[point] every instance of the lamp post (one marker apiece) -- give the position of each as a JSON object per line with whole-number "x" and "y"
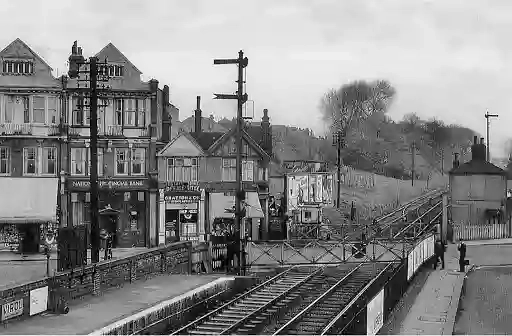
{"x": 92, "y": 77}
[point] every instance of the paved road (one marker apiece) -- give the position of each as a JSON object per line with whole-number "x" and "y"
{"x": 486, "y": 304}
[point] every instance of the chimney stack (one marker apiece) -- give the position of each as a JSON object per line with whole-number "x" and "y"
{"x": 266, "y": 130}
{"x": 197, "y": 116}
{"x": 456, "y": 162}
{"x": 166, "y": 115}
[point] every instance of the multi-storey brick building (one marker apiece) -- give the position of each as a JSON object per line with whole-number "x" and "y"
{"x": 133, "y": 119}
{"x": 197, "y": 175}
{"x": 30, "y": 145}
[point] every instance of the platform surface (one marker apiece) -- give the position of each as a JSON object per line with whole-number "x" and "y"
{"x": 94, "y": 313}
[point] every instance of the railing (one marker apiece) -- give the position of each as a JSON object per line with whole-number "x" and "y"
{"x": 13, "y": 129}
{"x": 54, "y": 130}
{"x": 114, "y": 130}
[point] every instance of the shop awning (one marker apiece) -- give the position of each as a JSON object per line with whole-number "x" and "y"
{"x": 219, "y": 202}
{"x": 28, "y": 200}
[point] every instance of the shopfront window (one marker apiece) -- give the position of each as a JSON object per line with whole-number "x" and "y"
{"x": 122, "y": 161}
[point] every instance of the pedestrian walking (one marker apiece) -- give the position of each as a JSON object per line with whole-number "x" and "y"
{"x": 462, "y": 255}
{"x": 439, "y": 249}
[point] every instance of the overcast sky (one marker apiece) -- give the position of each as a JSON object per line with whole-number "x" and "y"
{"x": 446, "y": 58}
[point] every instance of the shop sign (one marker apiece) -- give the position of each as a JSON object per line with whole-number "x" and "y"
{"x": 109, "y": 184}
{"x": 182, "y": 199}
{"x": 182, "y": 186}
{"x": 12, "y": 309}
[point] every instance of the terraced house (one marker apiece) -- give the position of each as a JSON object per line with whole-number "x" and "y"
{"x": 31, "y": 100}
{"x": 197, "y": 181}
{"x": 133, "y": 119}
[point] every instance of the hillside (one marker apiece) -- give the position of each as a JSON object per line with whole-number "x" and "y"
{"x": 379, "y": 145}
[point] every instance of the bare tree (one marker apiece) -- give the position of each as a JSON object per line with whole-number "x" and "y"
{"x": 354, "y": 102}
{"x": 410, "y": 122}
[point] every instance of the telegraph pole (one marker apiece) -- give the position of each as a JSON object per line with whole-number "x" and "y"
{"x": 413, "y": 150}
{"x": 338, "y": 142}
{"x": 241, "y": 98}
{"x": 487, "y": 117}
{"x": 75, "y": 61}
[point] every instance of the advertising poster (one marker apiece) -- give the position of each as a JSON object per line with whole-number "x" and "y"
{"x": 375, "y": 314}
{"x": 312, "y": 188}
{"x": 293, "y": 193}
{"x": 12, "y": 309}
{"x": 327, "y": 189}
{"x": 319, "y": 189}
{"x": 303, "y": 194}
{"x": 38, "y": 300}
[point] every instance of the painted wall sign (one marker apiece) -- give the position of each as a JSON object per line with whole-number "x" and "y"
{"x": 38, "y": 300}
{"x": 109, "y": 184}
{"x": 181, "y": 186}
{"x": 12, "y": 309}
{"x": 182, "y": 199}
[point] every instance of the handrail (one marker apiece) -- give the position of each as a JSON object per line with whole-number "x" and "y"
{"x": 218, "y": 310}
{"x": 420, "y": 217}
{"x": 354, "y": 300}
{"x": 321, "y": 297}
{"x": 407, "y": 204}
{"x": 272, "y": 301}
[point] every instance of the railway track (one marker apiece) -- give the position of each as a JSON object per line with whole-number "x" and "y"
{"x": 273, "y": 293}
{"x": 268, "y": 303}
{"x": 319, "y": 314}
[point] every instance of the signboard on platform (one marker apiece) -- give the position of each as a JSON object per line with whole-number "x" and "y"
{"x": 375, "y": 314}
{"x": 307, "y": 189}
{"x": 38, "y": 300}
{"x": 12, "y": 309}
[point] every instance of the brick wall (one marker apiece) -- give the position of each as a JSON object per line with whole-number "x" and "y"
{"x": 93, "y": 279}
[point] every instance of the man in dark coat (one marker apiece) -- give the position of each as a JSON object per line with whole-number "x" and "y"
{"x": 462, "y": 255}
{"x": 439, "y": 250}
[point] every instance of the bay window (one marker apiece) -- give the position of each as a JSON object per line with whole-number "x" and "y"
{"x": 183, "y": 169}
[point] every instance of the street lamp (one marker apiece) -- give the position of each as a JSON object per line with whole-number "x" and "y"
{"x": 92, "y": 77}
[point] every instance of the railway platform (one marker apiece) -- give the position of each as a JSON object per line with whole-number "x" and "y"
{"x": 95, "y": 313}
{"x": 434, "y": 309}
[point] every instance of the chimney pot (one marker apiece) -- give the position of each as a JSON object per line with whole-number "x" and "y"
{"x": 482, "y": 141}
{"x": 475, "y": 140}
{"x": 197, "y": 116}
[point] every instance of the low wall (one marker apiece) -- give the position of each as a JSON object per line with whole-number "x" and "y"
{"x": 23, "y": 301}
{"x": 174, "y": 313}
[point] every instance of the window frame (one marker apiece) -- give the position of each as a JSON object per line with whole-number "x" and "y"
{"x": 140, "y": 110}
{"x": 118, "y": 111}
{"x": 130, "y": 109}
{"x": 73, "y": 161}
{"x": 193, "y": 167}
{"x": 17, "y": 67}
{"x": 230, "y": 168}
{"x": 25, "y": 162}
{"x": 44, "y": 158}
{"x": 56, "y": 110}
{"x": 33, "y": 110}
{"x": 8, "y": 160}
{"x": 126, "y": 161}
{"x": 142, "y": 161}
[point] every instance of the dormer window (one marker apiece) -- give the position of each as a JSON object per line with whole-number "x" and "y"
{"x": 112, "y": 70}
{"x": 18, "y": 67}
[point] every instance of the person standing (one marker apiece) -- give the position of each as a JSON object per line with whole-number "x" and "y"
{"x": 439, "y": 250}
{"x": 462, "y": 255}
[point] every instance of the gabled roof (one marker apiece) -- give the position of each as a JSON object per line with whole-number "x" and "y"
{"x": 206, "y": 139}
{"x": 245, "y": 136}
{"x": 112, "y": 46}
{"x": 18, "y": 40}
{"x": 477, "y": 167}
{"x": 185, "y": 134}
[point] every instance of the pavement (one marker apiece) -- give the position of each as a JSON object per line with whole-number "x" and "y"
{"x": 16, "y": 269}
{"x": 434, "y": 309}
{"x": 94, "y": 313}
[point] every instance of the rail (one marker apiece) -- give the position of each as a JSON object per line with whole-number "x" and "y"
{"x": 331, "y": 324}
{"x": 417, "y": 219}
{"x": 204, "y": 318}
{"x": 297, "y": 317}
{"x": 271, "y": 302}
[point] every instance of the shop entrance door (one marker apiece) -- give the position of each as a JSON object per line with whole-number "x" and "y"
{"x": 108, "y": 220}
{"x": 171, "y": 225}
